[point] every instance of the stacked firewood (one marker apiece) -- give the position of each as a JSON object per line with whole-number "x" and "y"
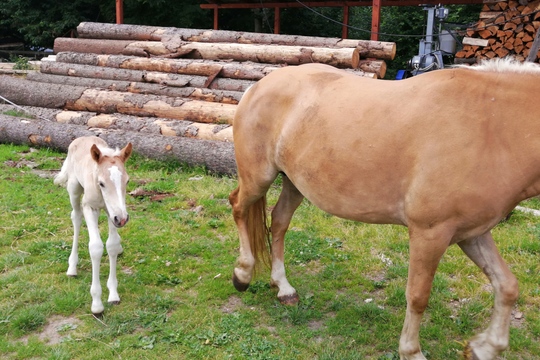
{"x": 505, "y": 28}
{"x": 170, "y": 82}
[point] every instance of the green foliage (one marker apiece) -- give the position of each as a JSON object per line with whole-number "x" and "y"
{"x": 21, "y": 63}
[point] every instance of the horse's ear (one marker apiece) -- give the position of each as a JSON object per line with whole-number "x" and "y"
{"x": 126, "y": 152}
{"x": 96, "y": 153}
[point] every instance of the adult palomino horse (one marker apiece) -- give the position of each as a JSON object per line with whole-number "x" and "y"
{"x": 97, "y": 171}
{"x": 448, "y": 154}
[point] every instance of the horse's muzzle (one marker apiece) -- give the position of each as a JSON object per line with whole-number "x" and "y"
{"x": 120, "y": 222}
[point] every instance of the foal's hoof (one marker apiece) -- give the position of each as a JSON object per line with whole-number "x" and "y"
{"x": 468, "y": 353}
{"x": 115, "y": 302}
{"x": 289, "y": 300}
{"x": 240, "y": 286}
{"x": 98, "y": 315}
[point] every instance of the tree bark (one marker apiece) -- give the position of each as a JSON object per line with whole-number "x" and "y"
{"x": 233, "y": 70}
{"x": 223, "y": 96}
{"x": 368, "y": 49}
{"x": 104, "y": 101}
{"x": 116, "y": 121}
{"x": 160, "y": 126}
{"x": 271, "y": 54}
{"x": 161, "y": 78}
{"x": 216, "y": 156}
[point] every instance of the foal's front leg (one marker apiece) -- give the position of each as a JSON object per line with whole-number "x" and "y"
{"x": 75, "y": 192}
{"x": 95, "y": 248}
{"x": 114, "y": 248}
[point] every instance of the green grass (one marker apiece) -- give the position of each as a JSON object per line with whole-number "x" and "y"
{"x": 175, "y": 278}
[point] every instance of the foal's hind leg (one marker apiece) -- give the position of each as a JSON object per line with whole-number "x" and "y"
{"x": 494, "y": 339}
{"x": 114, "y": 248}
{"x": 289, "y": 200}
{"x": 75, "y": 192}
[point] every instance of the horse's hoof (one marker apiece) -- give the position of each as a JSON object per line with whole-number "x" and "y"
{"x": 98, "y": 315}
{"x": 240, "y": 286}
{"x": 289, "y": 300}
{"x": 72, "y": 275}
{"x": 115, "y": 302}
{"x": 468, "y": 353}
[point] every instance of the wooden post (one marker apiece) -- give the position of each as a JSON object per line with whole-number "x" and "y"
{"x": 375, "y": 19}
{"x": 345, "y": 28}
{"x": 277, "y": 20}
{"x": 216, "y": 27}
{"x": 119, "y": 11}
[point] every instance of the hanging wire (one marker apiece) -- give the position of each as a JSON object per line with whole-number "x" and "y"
{"x": 22, "y": 109}
{"x": 461, "y": 32}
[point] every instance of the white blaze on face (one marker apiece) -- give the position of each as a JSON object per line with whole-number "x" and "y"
{"x": 116, "y": 178}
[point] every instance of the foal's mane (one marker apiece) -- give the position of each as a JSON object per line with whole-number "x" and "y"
{"x": 508, "y": 64}
{"x": 106, "y": 151}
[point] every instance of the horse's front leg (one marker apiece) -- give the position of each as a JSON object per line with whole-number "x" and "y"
{"x": 426, "y": 250}
{"x": 289, "y": 200}
{"x": 95, "y": 248}
{"x": 114, "y": 248}
{"x": 494, "y": 339}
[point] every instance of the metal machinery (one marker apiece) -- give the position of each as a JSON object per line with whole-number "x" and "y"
{"x": 433, "y": 47}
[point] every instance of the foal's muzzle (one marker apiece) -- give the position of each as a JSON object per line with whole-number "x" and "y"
{"x": 119, "y": 221}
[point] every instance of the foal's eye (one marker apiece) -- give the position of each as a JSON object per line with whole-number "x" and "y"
{"x": 101, "y": 184}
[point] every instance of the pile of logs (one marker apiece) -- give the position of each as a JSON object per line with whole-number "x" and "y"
{"x": 505, "y": 28}
{"x": 178, "y": 86}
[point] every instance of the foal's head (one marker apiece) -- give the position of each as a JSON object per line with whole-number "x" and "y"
{"x": 112, "y": 179}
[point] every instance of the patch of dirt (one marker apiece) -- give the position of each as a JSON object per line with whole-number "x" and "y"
{"x": 56, "y": 329}
{"x": 232, "y": 305}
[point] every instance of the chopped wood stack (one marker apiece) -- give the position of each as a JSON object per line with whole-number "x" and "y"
{"x": 182, "y": 83}
{"x": 505, "y": 28}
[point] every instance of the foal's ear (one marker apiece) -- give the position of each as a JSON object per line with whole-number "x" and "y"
{"x": 96, "y": 153}
{"x": 126, "y": 152}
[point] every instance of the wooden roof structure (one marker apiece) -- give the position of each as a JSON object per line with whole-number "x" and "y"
{"x": 345, "y": 4}
{"x": 376, "y": 5}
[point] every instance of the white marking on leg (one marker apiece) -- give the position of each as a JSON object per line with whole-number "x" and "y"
{"x": 279, "y": 279}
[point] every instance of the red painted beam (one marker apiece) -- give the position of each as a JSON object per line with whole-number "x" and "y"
{"x": 119, "y": 11}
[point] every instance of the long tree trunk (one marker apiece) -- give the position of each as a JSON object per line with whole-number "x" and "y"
{"x": 368, "y": 49}
{"x": 168, "y": 79}
{"x": 271, "y": 54}
{"x": 216, "y": 156}
{"x": 116, "y": 121}
{"x": 223, "y": 96}
{"x": 233, "y": 70}
{"x": 104, "y": 101}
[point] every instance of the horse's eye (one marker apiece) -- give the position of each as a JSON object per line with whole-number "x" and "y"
{"x": 101, "y": 184}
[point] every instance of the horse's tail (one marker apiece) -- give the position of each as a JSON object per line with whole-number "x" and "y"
{"x": 62, "y": 177}
{"x": 259, "y": 233}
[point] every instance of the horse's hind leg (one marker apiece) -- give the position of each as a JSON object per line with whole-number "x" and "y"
{"x": 494, "y": 339}
{"x": 289, "y": 200}
{"x": 248, "y": 207}
{"x": 114, "y": 248}
{"x": 75, "y": 192}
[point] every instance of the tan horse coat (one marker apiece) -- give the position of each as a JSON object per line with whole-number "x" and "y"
{"x": 448, "y": 153}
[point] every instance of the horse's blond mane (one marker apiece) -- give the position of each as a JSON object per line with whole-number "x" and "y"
{"x": 508, "y": 64}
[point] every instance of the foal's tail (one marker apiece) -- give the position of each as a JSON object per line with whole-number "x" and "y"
{"x": 259, "y": 233}
{"x": 62, "y": 177}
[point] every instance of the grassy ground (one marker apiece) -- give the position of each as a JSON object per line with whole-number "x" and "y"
{"x": 174, "y": 278}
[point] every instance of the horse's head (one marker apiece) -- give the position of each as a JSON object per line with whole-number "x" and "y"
{"x": 112, "y": 179}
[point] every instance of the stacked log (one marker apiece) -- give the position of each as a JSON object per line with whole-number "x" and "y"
{"x": 505, "y": 28}
{"x": 168, "y": 82}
